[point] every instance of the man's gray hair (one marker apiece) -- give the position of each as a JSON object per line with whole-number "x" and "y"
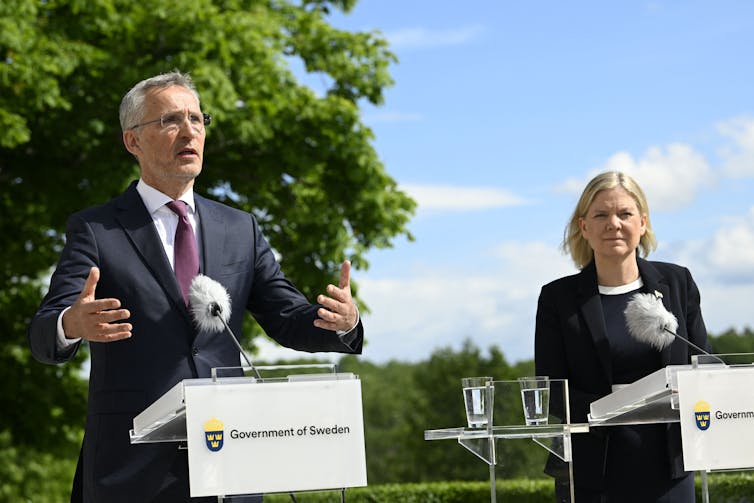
{"x": 132, "y": 106}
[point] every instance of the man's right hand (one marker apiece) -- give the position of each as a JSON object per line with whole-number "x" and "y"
{"x": 91, "y": 319}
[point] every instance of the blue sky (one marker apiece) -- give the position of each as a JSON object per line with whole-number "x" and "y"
{"x": 500, "y": 113}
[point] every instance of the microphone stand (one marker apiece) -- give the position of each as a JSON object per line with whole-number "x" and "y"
{"x": 700, "y": 350}
{"x": 216, "y": 311}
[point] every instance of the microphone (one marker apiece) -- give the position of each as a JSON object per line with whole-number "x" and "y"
{"x": 210, "y": 308}
{"x": 649, "y": 322}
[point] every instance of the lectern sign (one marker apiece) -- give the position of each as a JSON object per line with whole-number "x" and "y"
{"x": 275, "y": 436}
{"x": 717, "y": 418}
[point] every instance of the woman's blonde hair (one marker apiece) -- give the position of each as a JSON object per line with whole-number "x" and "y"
{"x": 576, "y": 245}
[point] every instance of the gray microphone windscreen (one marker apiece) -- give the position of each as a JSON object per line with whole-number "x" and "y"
{"x": 648, "y": 321}
{"x": 204, "y": 294}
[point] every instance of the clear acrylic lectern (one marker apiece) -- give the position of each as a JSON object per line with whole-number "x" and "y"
{"x": 505, "y": 423}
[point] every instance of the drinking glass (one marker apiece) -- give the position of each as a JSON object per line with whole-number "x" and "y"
{"x": 535, "y": 397}
{"x": 475, "y": 399}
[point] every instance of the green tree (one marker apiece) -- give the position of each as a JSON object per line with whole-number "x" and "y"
{"x": 732, "y": 341}
{"x": 301, "y": 161}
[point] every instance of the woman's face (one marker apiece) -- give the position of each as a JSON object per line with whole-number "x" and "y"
{"x": 613, "y": 225}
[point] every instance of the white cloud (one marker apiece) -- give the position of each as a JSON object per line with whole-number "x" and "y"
{"x": 529, "y": 265}
{"x": 434, "y": 308}
{"x": 732, "y": 248}
{"x": 726, "y": 290}
{"x": 424, "y": 38}
{"x": 670, "y": 177}
{"x": 722, "y": 265}
{"x": 453, "y": 198}
{"x": 727, "y": 256}
{"x": 573, "y": 185}
{"x": 726, "y": 306}
{"x": 738, "y": 158}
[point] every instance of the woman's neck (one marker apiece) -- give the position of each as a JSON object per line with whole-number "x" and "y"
{"x": 616, "y": 273}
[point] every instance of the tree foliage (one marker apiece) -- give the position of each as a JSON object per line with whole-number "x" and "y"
{"x": 301, "y": 161}
{"x": 731, "y": 341}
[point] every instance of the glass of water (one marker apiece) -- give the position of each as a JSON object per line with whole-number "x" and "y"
{"x": 535, "y": 397}
{"x": 476, "y": 400}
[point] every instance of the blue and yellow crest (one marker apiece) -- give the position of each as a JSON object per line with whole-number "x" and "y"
{"x": 702, "y": 415}
{"x": 213, "y": 434}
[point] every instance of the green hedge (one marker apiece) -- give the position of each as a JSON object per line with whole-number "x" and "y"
{"x": 41, "y": 478}
{"x": 733, "y": 487}
{"x": 724, "y": 488}
{"x": 520, "y": 491}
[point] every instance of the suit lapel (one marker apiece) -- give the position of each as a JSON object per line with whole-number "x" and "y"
{"x": 138, "y": 225}
{"x": 590, "y": 305}
{"x": 213, "y": 233}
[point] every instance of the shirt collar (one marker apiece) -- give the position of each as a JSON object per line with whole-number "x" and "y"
{"x": 619, "y": 290}
{"x": 154, "y": 199}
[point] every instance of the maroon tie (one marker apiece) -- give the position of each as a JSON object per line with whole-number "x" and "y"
{"x": 185, "y": 256}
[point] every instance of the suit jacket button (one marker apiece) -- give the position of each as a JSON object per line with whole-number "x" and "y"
{"x": 195, "y": 351}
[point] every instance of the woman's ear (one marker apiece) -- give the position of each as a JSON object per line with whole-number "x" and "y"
{"x": 582, "y": 226}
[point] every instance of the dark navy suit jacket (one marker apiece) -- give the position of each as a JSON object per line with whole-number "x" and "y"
{"x": 126, "y": 376}
{"x": 571, "y": 343}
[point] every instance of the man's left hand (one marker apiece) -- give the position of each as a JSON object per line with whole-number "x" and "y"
{"x": 338, "y": 311}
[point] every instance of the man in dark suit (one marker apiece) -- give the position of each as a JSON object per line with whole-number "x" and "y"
{"x": 115, "y": 287}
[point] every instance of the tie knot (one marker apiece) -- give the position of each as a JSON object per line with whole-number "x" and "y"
{"x": 178, "y": 207}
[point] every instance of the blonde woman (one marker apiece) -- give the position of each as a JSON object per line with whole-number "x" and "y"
{"x": 581, "y": 336}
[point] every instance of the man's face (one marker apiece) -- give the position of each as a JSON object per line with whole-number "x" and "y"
{"x": 170, "y": 151}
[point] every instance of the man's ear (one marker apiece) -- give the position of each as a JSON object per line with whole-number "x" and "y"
{"x": 131, "y": 141}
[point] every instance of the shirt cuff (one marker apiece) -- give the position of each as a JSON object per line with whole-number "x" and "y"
{"x": 348, "y": 336}
{"x": 63, "y": 342}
